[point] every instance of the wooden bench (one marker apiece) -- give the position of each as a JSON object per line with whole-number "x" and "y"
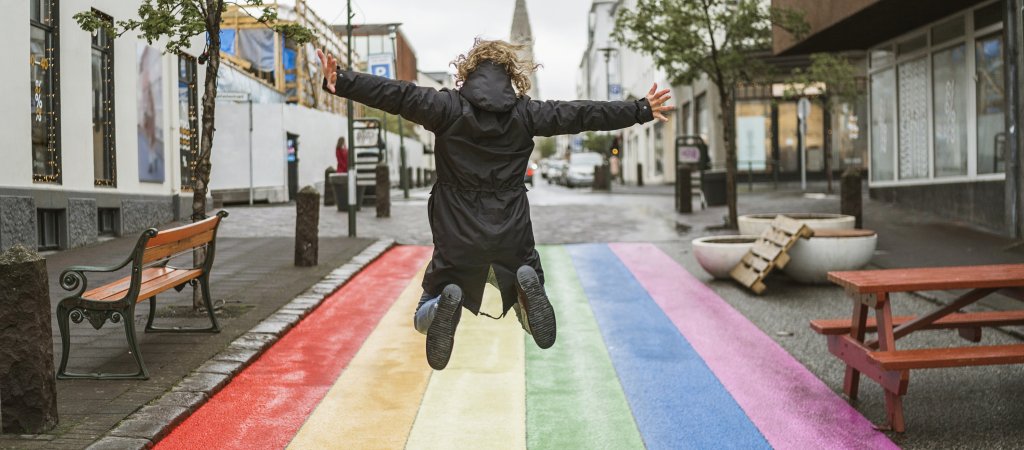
{"x": 150, "y": 275}
{"x": 880, "y": 360}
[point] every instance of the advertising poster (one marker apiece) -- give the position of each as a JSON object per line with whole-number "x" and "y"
{"x": 149, "y": 103}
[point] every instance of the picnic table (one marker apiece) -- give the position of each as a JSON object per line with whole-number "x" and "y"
{"x": 881, "y": 361}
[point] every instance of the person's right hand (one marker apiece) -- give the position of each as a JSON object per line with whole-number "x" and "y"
{"x": 330, "y": 66}
{"x": 657, "y": 99}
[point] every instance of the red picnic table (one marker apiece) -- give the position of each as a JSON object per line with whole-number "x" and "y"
{"x": 881, "y": 361}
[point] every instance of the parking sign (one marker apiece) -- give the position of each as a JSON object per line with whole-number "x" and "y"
{"x": 380, "y": 64}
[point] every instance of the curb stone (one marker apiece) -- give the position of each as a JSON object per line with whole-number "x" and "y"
{"x": 151, "y": 422}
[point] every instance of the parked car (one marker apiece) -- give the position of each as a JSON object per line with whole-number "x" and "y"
{"x": 530, "y": 170}
{"x": 554, "y": 172}
{"x": 580, "y": 170}
{"x": 542, "y": 168}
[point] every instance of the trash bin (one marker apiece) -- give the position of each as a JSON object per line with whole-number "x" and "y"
{"x": 339, "y": 181}
{"x": 713, "y": 184}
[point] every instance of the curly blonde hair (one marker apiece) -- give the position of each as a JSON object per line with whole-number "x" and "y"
{"x": 502, "y": 53}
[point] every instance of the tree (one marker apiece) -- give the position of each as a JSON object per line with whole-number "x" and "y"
{"x": 546, "y": 147}
{"x": 177, "y": 22}
{"x": 598, "y": 143}
{"x": 840, "y": 79}
{"x": 689, "y": 39}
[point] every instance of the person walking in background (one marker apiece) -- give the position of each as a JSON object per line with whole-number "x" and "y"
{"x": 341, "y": 152}
{"x": 478, "y": 209}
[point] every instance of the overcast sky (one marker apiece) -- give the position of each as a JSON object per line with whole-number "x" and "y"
{"x": 439, "y": 30}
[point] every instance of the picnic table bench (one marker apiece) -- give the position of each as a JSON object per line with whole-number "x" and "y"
{"x": 150, "y": 275}
{"x": 881, "y": 361}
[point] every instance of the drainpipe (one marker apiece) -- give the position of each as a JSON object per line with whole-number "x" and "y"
{"x": 1012, "y": 35}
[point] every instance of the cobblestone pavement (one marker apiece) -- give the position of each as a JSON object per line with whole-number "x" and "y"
{"x": 252, "y": 277}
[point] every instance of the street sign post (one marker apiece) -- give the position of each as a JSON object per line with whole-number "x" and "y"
{"x": 803, "y": 111}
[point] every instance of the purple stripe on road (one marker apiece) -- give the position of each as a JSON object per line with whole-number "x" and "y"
{"x": 788, "y": 404}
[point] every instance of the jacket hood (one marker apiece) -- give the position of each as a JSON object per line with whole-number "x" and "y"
{"x": 489, "y": 88}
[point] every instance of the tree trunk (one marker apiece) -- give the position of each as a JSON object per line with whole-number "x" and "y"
{"x": 725, "y": 95}
{"x": 203, "y": 165}
{"x": 209, "y": 109}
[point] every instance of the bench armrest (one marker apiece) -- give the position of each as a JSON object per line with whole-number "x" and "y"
{"x": 73, "y": 278}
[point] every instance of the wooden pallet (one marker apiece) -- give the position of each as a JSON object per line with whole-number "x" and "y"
{"x": 769, "y": 252}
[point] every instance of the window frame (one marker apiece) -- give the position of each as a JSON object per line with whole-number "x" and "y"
{"x": 50, "y": 95}
{"x": 968, "y": 40}
{"x": 106, "y": 49}
{"x": 188, "y": 145}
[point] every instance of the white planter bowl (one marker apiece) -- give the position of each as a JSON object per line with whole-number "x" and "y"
{"x": 812, "y": 259}
{"x": 755, "y": 224}
{"x": 719, "y": 254}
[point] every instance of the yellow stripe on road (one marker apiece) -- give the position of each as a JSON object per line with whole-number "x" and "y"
{"x": 374, "y": 401}
{"x": 477, "y": 402}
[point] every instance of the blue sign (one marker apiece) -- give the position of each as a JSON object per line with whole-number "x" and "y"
{"x": 381, "y": 70}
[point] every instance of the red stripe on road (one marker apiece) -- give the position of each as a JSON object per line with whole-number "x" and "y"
{"x": 266, "y": 404}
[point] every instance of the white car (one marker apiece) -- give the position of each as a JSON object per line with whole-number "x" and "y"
{"x": 580, "y": 171}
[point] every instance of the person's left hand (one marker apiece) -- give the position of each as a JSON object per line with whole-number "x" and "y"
{"x": 657, "y": 101}
{"x": 330, "y": 66}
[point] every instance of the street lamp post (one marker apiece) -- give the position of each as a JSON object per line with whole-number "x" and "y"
{"x": 351, "y": 139}
{"x": 403, "y": 178}
{"x": 607, "y": 71}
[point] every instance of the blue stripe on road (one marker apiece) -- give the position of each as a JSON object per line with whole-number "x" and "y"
{"x": 676, "y": 400}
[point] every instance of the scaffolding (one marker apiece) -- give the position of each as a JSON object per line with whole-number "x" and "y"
{"x": 298, "y": 81}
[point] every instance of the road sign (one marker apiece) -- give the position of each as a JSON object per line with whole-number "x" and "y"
{"x": 381, "y": 65}
{"x": 688, "y": 154}
{"x": 803, "y": 108}
{"x": 614, "y": 91}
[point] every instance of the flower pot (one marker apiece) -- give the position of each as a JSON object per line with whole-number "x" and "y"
{"x": 812, "y": 259}
{"x": 755, "y": 224}
{"x": 719, "y": 254}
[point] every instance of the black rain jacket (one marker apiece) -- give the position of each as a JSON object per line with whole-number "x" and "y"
{"x": 478, "y": 209}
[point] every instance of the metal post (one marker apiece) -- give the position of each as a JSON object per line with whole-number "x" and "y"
{"x": 403, "y": 180}
{"x": 1012, "y": 30}
{"x": 251, "y": 195}
{"x": 351, "y": 140}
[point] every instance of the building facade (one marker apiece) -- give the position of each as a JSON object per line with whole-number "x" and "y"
{"x": 110, "y": 134}
{"x": 942, "y": 138}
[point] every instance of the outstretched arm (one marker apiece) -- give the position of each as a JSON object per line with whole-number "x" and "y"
{"x": 554, "y": 117}
{"x": 423, "y": 105}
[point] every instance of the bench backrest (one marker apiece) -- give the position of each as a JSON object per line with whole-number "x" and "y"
{"x": 155, "y": 246}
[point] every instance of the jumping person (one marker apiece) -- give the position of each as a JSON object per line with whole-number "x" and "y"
{"x": 478, "y": 210}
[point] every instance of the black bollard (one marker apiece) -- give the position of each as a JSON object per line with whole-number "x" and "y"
{"x": 684, "y": 190}
{"x": 307, "y": 226}
{"x": 419, "y": 177}
{"x": 328, "y": 189}
{"x": 383, "y": 191}
{"x": 639, "y": 174}
{"x": 851, "y": 202}
{"x": 28, "y": 389}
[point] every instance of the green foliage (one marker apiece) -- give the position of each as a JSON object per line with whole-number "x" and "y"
{"x": 547, "y": 147}
{"x": 178, "y": 21}
{"x": 839, "y": 76}
{"x": 599, "y": 143}
{"x": 691, "y": 38}
{"x": 391, "y": 122}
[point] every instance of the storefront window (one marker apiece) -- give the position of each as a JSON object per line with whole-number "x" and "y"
{"x": 949, "y": 111}
{"x": 659, "y": 149}
{"x": 104, "y": 162}
{"x": 684, "y": 120}
{"x": 45, "y": 91}
{"x": 702, "y": 118}
{"x": 753, "y": 134}
{"x": 188, "y": 119}
{"x": 991, "y": 103}
{"x": 883, "y": 120}
{"x": 913, "y": 119}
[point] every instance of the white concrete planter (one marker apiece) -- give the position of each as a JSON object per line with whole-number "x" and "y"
{"x": 719, "y": 254}
{"x": 812, "y": 259}
{"x": 755, "y": 224}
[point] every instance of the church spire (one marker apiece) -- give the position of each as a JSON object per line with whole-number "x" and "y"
{"x": 522, "y": 34}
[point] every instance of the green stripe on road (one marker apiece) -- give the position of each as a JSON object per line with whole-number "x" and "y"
{"x": 573, "y": 396}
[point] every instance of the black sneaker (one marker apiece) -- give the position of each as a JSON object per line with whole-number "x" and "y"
{"x": 441, "y": 334}
{"x": 540, "y": 316}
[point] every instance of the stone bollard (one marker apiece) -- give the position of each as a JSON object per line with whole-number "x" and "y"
{"x": 684, "y": 190}
{"x": 307, "y": 226}
{"x": 851, "y": 201}
{"x": 328, "y": 190}
{"x": 28, "y": 389}
{"x": 383, "y": 191}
